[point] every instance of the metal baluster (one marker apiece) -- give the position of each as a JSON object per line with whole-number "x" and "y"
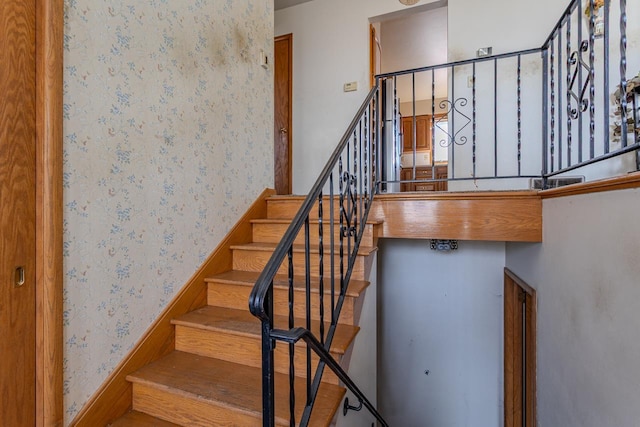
{"x": 453, "y": 123}
{"x": 519, "y": 115}
{"x": 553, "y": 107}
{"x": 569, "y": 124}
{"x": 292, "y": 370}
{"x": 592, "y": 80}
{"x": 307, "y": 277}
{"x": 332, "y": 251}
{"x": 433, "y": 123}
{"x": 474, "y": 124}
{"x": 605, "y": 71}
{"x": 321, "y": 267}
{"x": 354, "y": 186}
{"x": 375, "y": 158}
{"x": 413, "y": 125}
{"x": 623, "y": 72}
{"x": 342, "y": 229}
{"x": 546, "y": 169}
{"x": 580, "y": 83}
{"x": 365, "y": 175}
{"x": 268, "y": 366}
{"x": 560, "y": 95}
{"x": 495, "y": 117}
{"x": 360, "y": 199}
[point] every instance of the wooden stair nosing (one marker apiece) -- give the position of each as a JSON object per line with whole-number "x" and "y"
{"x": 369, "y": 221}
{"x": 260, "y": 246}
{"x": 230, "y": 386}
{"x": 249, "y": 278}
{"x": 243, "y": 323}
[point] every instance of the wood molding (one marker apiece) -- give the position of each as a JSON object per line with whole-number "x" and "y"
{"x": 113, "y": 399}
{"x": 631, "y": 180}
{"x": 49, "y": 232}
{"x": 492, "y": 216}
{"x": 519, "y": 352}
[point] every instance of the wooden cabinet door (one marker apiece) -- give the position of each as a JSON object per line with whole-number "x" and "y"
{"x": 407, "y": 133}
{"x": 17, "y": 216}
{"x": 423, "y": 133}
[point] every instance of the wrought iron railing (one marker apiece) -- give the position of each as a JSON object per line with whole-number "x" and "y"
{"x": 496, "y": 122}
{"x": 345, "y": 188}
{"x": 509, "y": 118}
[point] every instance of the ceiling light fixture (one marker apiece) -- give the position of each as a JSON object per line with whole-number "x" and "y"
{"x": 408, "y": 2}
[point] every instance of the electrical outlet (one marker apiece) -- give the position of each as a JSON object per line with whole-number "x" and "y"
{"x": 469, "y": 81}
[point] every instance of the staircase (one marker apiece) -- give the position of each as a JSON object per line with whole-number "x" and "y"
{"x": 213, "y": 376}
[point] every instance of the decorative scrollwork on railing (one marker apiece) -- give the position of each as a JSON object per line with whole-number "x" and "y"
{"x": 580, "y": 98}
{"x": 349, "y": 205}
{"x": 453, "y": 108}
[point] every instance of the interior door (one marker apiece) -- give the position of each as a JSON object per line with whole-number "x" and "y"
{"x": 282, "y": 113}
{"x": 17, "y": 213}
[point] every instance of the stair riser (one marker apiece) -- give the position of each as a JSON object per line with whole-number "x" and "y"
{"x": 186, "y": 411}
{"x": 272, "y": 233}
{"x": 255, "y": 260}
{"x": 237, "y": 297}
{"x": 287, "y": 209}
{"x": 245, "y": 350}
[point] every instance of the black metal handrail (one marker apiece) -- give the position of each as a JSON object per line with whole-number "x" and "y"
{"x": 353, "y": 168}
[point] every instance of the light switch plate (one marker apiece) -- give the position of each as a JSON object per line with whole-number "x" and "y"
{"x": 351, "y": 86}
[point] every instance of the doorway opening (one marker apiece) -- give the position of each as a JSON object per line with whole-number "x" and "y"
{"x": 415, "y": 117}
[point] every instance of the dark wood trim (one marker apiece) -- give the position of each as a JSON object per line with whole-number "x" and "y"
{"x": 372, "y": 55}
{"x": 631, "y": 180}
{"x": 519, "y": 395}
{"x": 113, "y": 398}
{"x": 289, "y": 38}
{"x": 49, "y": 233}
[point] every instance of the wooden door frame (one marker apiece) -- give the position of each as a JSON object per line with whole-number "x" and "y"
{"x": 516, "y": 394}
{"x": 49, "y": 233}
{"x": 289, "y": 38}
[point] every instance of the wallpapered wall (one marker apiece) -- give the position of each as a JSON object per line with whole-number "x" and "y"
{"x": 168, "y": 122}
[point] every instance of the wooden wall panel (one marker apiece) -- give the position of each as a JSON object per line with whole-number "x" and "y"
{"x": 490, "y": 216}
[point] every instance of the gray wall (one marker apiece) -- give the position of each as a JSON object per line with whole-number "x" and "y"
{"x": 587, "y": 277}
{"x": 440, "y": 312}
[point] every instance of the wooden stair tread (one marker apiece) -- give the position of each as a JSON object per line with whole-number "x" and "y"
{"x": 233, "y": 386}
{"x": 260, "y": 246}
{"x": 249, "y": 278}
{"x": 241, "y": 322}
{"x": 139, "y": 419}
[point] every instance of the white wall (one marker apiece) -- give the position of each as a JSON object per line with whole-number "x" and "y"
{"x": 586, "y": 273}
{"x": 330, "y": 48}
{"x": 507, "y": 25}
{"x": 440, "y": 312}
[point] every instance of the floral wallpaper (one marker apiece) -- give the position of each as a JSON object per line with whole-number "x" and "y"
{"x": 168, "y": 123}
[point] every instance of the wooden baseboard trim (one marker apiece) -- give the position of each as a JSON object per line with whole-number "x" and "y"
{"x": 624, "y": 182}
{"x": 113, "y": 399}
